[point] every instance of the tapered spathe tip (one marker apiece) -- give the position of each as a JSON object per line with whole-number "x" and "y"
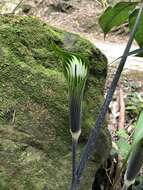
{"x": 75, "y": 71}
{"x": 76, "y": 74}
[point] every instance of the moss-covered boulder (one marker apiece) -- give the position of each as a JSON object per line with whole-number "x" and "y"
{"x": 34, "y": 134}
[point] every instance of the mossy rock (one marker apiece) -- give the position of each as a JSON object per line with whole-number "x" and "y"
{"x": 34, "y": 134}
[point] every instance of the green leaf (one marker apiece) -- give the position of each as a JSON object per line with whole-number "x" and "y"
{"x": 115, "y": 16}
{"x": 122, "y": 133}
{"x": 138, "y": 134}
{"x": 124, "y": 147}
{"x": 122, "y": 143}
{"x": 139, "y": 33}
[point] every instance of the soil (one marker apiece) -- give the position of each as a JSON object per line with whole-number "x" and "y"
{"x": 77, "y": 16}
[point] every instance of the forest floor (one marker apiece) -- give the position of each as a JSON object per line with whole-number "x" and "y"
{"x": 81, "y": 16}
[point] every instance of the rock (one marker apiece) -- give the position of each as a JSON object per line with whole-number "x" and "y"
{"x": 61, "y": 7}
{"x": 7, "y": 6}
{"x": 26, "y": 8}
{"x": 35, "y": 142}
{"x": 90, "y": 24}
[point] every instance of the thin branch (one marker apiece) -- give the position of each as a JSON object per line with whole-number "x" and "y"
{"x": 17, "y": 6}
{"x": 122, "y": 109}
{"x": 134, "y": 52}
{"x": 90, "y": 146}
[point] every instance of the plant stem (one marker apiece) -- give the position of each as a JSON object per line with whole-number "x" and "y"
{"x": 134, "y": 52}
{"x": 74, "y": 150}
{"x": 125, "y": 187}
{"x": 90, "y": 146}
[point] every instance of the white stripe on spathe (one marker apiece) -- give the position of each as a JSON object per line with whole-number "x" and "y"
{"x": 77, "y": 68}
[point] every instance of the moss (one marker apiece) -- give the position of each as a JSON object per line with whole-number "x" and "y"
{"x": 34, "y": 133}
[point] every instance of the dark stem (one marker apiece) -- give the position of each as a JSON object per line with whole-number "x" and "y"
{"x": 74, "y": 151}
{"x": 90, "y": 146}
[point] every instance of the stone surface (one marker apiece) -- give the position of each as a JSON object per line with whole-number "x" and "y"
{"x": 34, "y": 134}
{"x": 7, "y": 6}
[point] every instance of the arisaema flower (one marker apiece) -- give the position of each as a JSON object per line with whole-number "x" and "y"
{"x": 76, "y": 74}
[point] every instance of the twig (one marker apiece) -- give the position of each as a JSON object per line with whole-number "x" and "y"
{"x": 14, "y": 10}
{"x": 117, "y": 179}
{"x": 121, "y": 109}
{"x": 131, "y": 53}
{"x": 108, "y": 176}
{"x": 13, "y": 118}
{"x": 90, "y": 146}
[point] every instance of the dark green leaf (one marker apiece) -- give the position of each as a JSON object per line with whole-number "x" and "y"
{"x": 139, "y": 33}
{"x": 115, "y": 16}
{"x": 138, "y": 135}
